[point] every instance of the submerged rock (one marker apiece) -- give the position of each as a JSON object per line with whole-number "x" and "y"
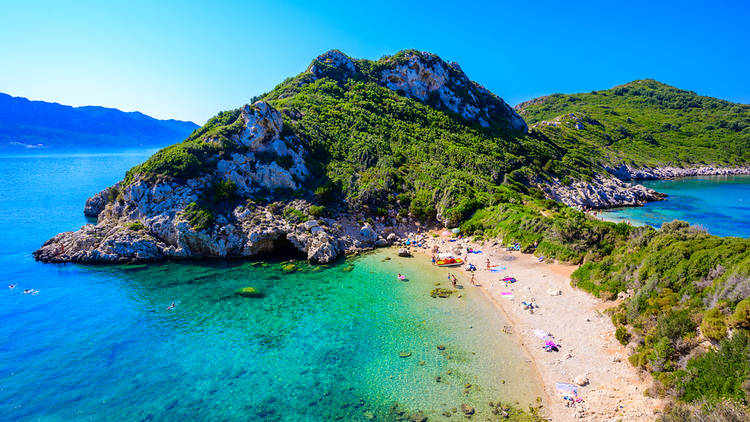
{"x": 249, "y": 292}
{"x": 441, "y": 292}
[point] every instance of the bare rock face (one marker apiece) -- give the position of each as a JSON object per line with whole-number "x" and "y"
{"x": 262, "y": 135}
{"x": 96, "y": 203}
{"x": 426, "y": 77}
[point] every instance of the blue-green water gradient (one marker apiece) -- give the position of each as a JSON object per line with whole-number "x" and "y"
{"x": 97, "y": 342}
{"x": 720, "y": 204}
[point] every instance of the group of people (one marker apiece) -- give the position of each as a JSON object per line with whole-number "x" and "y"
{"x": 26, "y": 292}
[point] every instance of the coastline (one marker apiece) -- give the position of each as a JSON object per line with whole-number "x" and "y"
{"x": 615, "y": 189}
{"x": 615, "y": 389}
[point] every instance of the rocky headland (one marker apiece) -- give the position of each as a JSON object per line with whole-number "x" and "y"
{"x": 149, "y": 220}
{"x": 615, "y": 188}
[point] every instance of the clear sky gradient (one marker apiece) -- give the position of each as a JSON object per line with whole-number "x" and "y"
{"x": 188, "y": 60}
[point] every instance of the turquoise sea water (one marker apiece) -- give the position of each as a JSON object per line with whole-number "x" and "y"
{"x": 97, "y": 343}
{"x": 721, "y": 204}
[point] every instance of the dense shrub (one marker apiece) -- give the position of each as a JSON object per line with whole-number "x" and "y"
{"x": 714, "y": 325}
{"x": 622, "y": 335}
{"x": 718, "y": 373}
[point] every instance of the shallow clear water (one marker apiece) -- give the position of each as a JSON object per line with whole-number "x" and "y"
{"x": 98, "y": 343}
{"x": 721, "y": 204}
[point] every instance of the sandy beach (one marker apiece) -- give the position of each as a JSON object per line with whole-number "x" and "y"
{"x": 614, "y": 390}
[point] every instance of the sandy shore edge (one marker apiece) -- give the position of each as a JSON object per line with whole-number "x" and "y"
{"x": 615, "y": 390}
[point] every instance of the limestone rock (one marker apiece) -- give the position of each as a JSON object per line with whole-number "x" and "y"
{"x": 95, "y": 205}
{"x": 581, "y": 380}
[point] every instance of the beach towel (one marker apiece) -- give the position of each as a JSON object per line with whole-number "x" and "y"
{"x": 542, "y": 334}
{"x": 506, "y": 293}
{"x": 565, "y": 387}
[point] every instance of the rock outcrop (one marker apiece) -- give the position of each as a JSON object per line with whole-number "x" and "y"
{"x": 601, "y": 192}
{"x": 614, "y": 189}
{"x": 426, "y": 77}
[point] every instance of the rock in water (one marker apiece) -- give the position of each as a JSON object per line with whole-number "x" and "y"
{"x": 468, "y": 410}
{"x": 404, "y": 252}
{"x": 249, "y": 292}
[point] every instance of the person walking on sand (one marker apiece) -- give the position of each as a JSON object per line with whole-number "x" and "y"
{"x": 488, "y": 264}
{"x": 454, "y": 281}
{"x": 473, "y": 279}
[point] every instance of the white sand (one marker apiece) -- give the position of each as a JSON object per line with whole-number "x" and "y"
{"x": 574, "y": 318}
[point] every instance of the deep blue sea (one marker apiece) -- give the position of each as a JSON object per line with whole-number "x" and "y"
{"x": 720, "y": 204}
{"x": 97, "y": 342}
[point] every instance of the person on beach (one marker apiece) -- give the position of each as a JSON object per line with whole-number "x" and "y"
{"x": 488, "y": 264}
{"x": 473, "y": 279}
{"x": 171, "y": 306}
{"x": 433, "y": 260}
{"x": 454, "y": 281}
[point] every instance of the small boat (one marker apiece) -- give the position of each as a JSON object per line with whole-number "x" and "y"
{"x": 449, "y": 262}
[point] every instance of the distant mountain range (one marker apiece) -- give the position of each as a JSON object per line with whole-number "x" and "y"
{"x": 38, "y": 125}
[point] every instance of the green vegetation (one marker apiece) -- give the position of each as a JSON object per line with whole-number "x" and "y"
{"x": 645, "y": 123}
{"x": 317, "y": 210}
{"x": 200, "y": 218}
{"x": 136, "y": 226}
{"x": 719, "y": 373}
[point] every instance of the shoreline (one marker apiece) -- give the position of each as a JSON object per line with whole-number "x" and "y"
{"x": 615, "y": 389}
{"x": 615, "y": 188}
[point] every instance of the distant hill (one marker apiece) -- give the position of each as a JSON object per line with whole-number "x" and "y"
{"x": 644, "y": 123}
{"x": 38, "y": 125}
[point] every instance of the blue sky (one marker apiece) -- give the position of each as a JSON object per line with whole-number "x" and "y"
{"x": 188, "y": 60}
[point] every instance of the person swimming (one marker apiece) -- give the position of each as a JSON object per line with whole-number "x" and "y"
{"x": 12, "y": 286}
{"x": 27, "y": 291}
{"x": 170, "y": 306}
